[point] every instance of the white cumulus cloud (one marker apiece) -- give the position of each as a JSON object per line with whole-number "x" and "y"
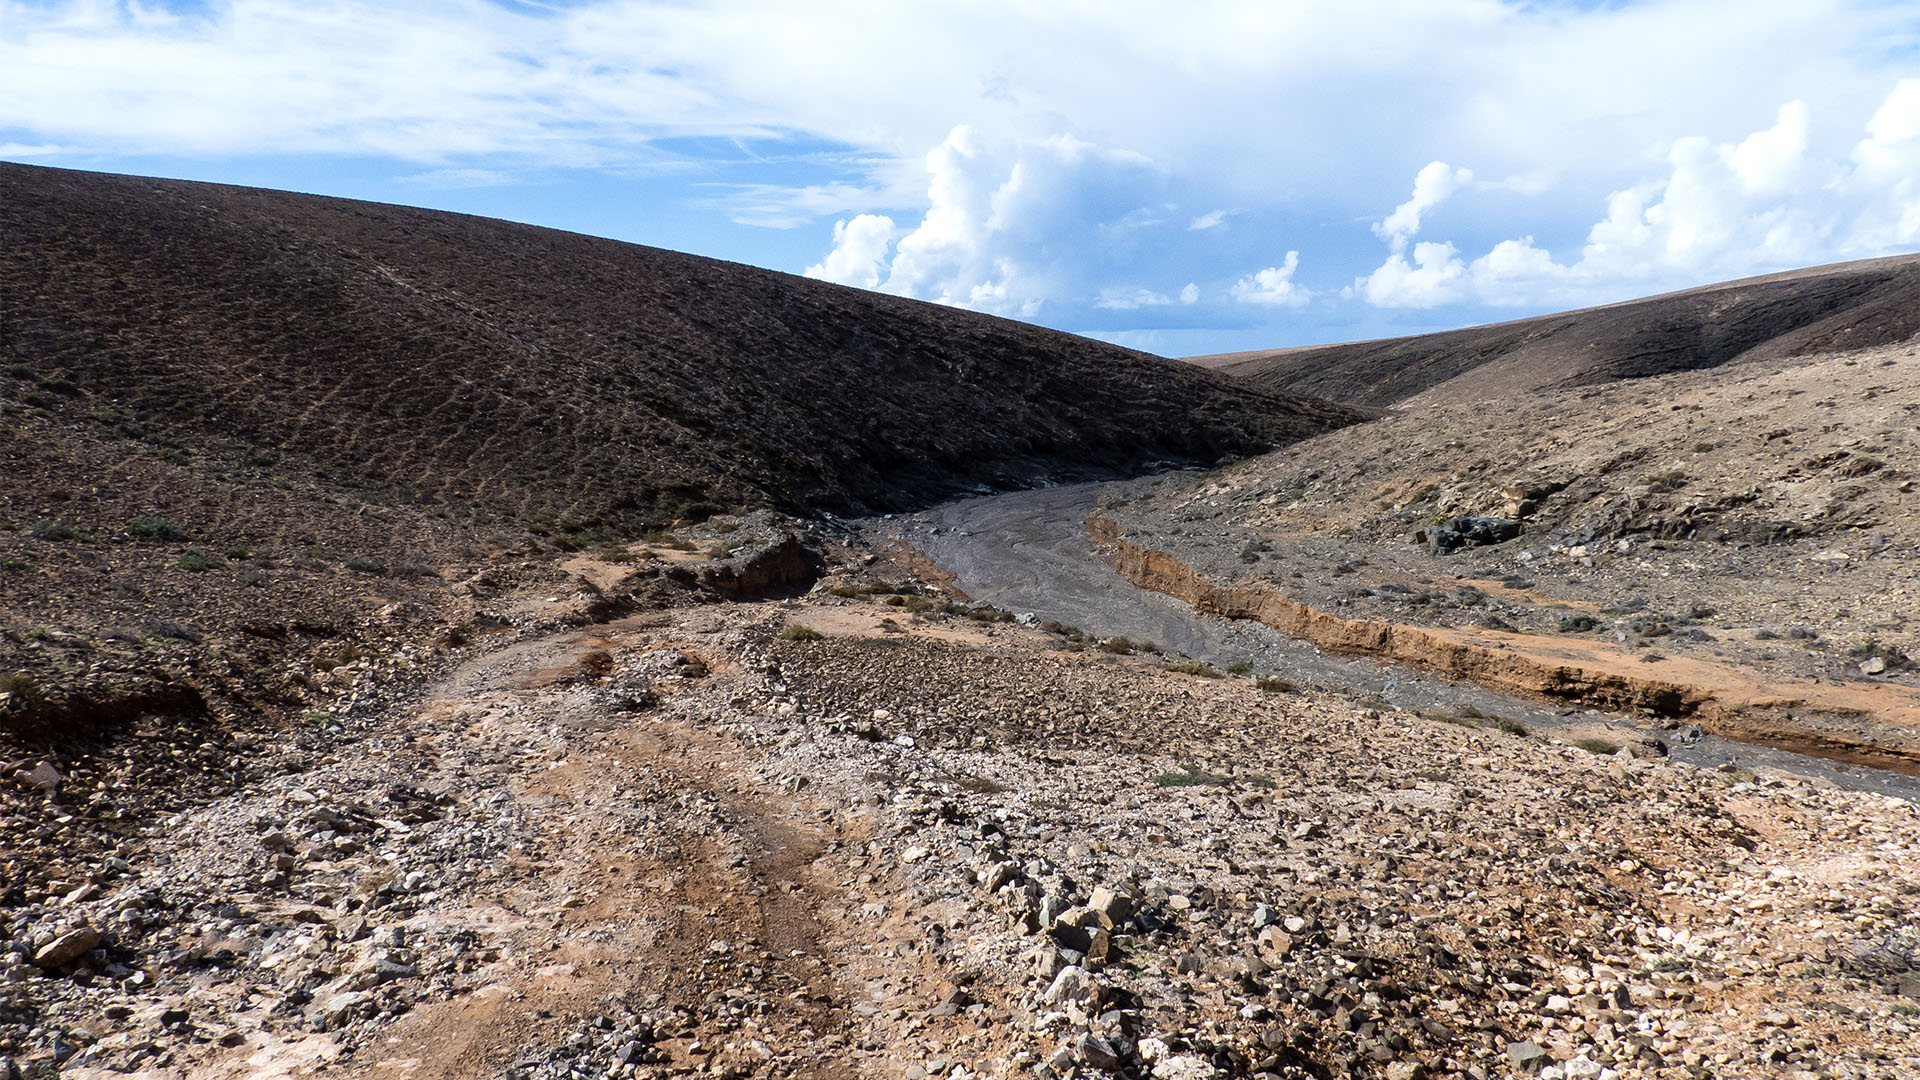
{"x": 1272, "y": 287}
{"x": 1717, "y": 211}
{"x": 1431, "y": 187}
{"x": 859, "y": 251}
{"x": 1432, "y": 278}
{"x": 1769, "y": 162}
{"x": 1886, "y": 171}
{"x": 1007, "y": 226}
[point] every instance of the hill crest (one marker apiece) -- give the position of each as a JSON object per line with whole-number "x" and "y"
{"x": 1796, "y": 313}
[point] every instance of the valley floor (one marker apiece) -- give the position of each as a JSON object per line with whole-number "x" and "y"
{"x": 1731, "y": 548}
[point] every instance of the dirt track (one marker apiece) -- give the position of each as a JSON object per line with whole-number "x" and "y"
{"x": 689, "y": 843}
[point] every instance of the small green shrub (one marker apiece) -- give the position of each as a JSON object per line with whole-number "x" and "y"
{"x": 1275, "y": 685}
{"x": 1118, "y": 646}
{"x": 1192, "y": 776}
{"x": 799, "y": 632}
{"x": 1894, "y": 658}
{"x": 1578, "y": 624}
{"x": 1194, "y": 667}
{"x": 196, "y": 561}
{"x": 154, "y": 527}
{"x": 55, "y": 531}
{"x": 1511, "y": 727}
{"x": 1240, "y": 667}
{"x": 237, "y": 553}
{"x": 1703, "y": 447}
{"x": 360, "y": 565}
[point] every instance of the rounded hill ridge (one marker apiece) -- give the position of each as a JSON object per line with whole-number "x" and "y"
{"x": 444, "y": 358}
{"x": 1853, "y": 305}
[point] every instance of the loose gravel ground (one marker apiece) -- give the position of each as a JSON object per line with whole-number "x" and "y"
{"x": 933, "y": 843}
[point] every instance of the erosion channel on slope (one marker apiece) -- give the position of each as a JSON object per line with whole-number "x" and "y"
{"x": 1029, "y": 552}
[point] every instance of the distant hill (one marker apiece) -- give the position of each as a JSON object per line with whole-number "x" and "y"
{"x": 1847, "y": 305}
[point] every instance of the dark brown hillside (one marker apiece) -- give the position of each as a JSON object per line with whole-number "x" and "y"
{"x": 1845, "y": 306}
{"x": 250, "y": 440}
{"x": 551, "y": 376}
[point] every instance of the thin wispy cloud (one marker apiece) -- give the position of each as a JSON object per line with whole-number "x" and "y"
{"x": 457, "y": 178}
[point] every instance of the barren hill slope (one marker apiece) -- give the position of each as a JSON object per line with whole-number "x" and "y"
{"x": 452, "y": 359}
{"x": 240, "y": 427}
{"x": 1845, "y": 306}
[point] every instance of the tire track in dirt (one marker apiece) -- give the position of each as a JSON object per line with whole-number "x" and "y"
{"x": 660, "y": 866}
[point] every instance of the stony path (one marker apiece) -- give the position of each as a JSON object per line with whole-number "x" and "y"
{"x": 924, "y": 844}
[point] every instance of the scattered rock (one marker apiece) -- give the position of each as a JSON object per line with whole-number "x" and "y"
{"x": 67, "y": 948}
{"x": 1527, "y": 1057}
{"x": 1463, "y": 532}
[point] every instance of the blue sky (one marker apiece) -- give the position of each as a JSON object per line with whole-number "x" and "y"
{"x": 1208, "y": 176}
